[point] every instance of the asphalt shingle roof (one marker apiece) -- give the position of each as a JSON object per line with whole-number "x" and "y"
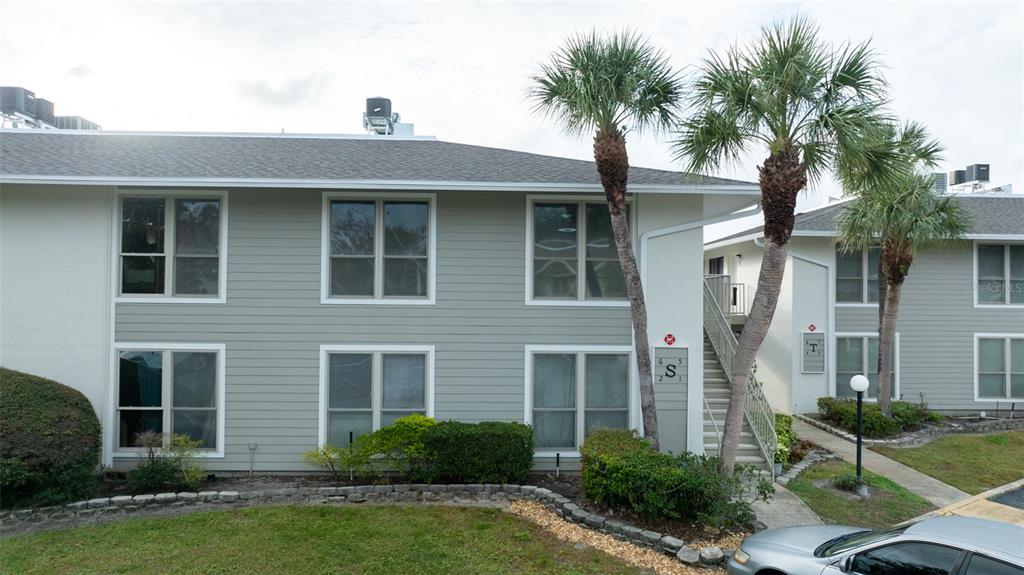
{"x": 126, "y": 155}
{"x": 992, "y": 214}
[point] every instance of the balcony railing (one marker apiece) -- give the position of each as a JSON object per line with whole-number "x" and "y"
{"x": 730, "y": 295}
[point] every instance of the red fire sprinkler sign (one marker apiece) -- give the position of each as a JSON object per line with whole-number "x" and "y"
{"x": 670, "y": 339}
{"x": 812, "y": 327}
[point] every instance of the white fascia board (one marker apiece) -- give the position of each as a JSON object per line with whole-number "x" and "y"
{"x": 411, "y": 185}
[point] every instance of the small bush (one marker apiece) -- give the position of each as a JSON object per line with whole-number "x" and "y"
{"x": 622, "y": 470}
{"x": 786, "y": 437}
{"x": 905, "y": 416}
{"x": 847, "y": 482}
{"x": 398, "y": 447}
{"x": 168, "y": 464}
{"x": 488, "y": 452}
{"x": 49, "y": 441}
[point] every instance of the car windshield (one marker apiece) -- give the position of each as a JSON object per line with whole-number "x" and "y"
{"x": 856, "y": 539}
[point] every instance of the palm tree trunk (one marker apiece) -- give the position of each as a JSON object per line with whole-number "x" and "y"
{"x": 612, "y": 163}
{"x": 782, "y": 176}
{"x": 886, "y": 337}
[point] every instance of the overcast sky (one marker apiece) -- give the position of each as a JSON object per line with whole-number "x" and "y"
{"x": 459, "y": 71}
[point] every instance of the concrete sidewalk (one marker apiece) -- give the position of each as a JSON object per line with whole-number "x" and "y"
{"x": 982, "y": 506}
{"x": 785, "y": 510}
{"x": 935, "y": 491}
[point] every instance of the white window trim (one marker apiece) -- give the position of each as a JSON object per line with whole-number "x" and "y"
{"x": 632, "y": 393}
{"x": 581, "y": 297}
{"x": 326, "y": 350}
{"x": 325, "y": 249}
{"x": 1006, "y": 265}
{"x": 170, "y": 197}
{"x": 897, "y": 392}
{"x": 863, "y": 279}
{"x": 111, "y": 428}
{"x": 1006, "y": 351}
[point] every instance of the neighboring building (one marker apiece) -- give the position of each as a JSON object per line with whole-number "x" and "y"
{"x": 20, "y": 108}
{"x": 276, "y": 292}
{"x": 960, "y": 331}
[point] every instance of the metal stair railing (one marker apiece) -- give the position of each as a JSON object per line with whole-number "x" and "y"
{"x": 758, "y": 413}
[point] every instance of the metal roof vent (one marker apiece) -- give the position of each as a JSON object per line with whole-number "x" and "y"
{"x": 380, "y": 120}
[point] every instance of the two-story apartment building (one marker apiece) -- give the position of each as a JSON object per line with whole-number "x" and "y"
{"x": 960, "y": 331}
{"x": 269, "y": 293}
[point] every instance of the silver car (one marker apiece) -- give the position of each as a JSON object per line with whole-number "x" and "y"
{"x": 939, "y": 546}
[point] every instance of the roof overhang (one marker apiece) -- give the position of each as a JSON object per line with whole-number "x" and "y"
{"x": 828, "y": 234}
{"x": 406, "y": 185}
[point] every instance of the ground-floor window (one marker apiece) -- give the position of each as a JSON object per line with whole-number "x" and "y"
{"x": 858, "y": 355}
{"x": 171, "y": 390}
{"x": 999, "y": 367}
{"x": 572, "y": 392}
{"x": 366, "y": 388}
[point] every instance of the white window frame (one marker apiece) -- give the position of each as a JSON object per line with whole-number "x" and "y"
{"x": 170, "y": 199}
{"x": 377, "y": 351}
{"x": 1006, "y": 337}
{"x": 632, "y": 393}
{"x": 166, "y": 389}
{"x": 1006, "y": 271}
{"x": 581, "y": 249}
{"x": 834, "y": 356}
{"x": 378, "y": 268}
{"x": 863, "y": 280}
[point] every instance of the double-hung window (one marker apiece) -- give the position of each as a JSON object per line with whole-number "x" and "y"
{"x": 573, "y": 393}
{"x": 378, "y": 249}
{"x": 364, "y": 388}
{"x": 858, "y": 355}
{"x": 1000, "y": 274}
{"x": 170, "y": 390}
{"x": 857, "y": 276}
{"x": 172, "y": 246}
{"x": 573, "y": 254}
{"x": 1000, "y": 367}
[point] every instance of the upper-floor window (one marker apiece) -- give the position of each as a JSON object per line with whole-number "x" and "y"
{"x": 1000, "y": 274}
{"x": 858, "y": 355}
{"x": 1000, "y": 367}
{"x": 716, "y": 266}
{"x": 857, "y": 276}
{"x": 573, "y": 393}
{"x": 170, "y": 390}
{"x": 366, "y": 388}
{"x": 171, "y": 247}
{"x": 572, "y": 254}
{"x": 379, "y": 249}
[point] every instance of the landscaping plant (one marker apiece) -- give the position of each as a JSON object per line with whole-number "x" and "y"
{"x": 610, "y": 86}
{"x": 49, "y": 441}
{"x": 786, "y": 437}
{"x": 813, "y": 108}
{"x": 168, "y": 464}
{"x": 906, "y": 416}
{"x": 487, "y": 452}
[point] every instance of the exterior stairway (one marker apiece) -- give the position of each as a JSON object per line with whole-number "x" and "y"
{"x": 716, "y": 393}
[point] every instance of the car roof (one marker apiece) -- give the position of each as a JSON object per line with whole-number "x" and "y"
{"x": 980, "y": 534}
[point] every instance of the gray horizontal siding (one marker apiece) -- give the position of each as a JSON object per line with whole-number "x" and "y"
{"x": 937, "y": 322}
{"x": 273, "y": 322}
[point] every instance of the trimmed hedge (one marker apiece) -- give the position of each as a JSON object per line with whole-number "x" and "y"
{"x": 905, "y": 416}
{"x": 49, "y": 441}
{"x": 621, "y": 470}
{"x": 487, "y": 452}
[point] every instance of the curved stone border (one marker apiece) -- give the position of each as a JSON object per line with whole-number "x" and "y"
{"x": 105, "y": 509}
{"x": 812, "y": 457}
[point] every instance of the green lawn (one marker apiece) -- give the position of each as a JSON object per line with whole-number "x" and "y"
{"x": 888, "y": 504}
{"x": 297, "y": 540}
{"x": 973, "y": 463}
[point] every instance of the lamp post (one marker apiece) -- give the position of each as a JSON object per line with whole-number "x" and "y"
{"x": 859, "y": 384}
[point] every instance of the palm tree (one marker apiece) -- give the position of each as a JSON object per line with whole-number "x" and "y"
{"x": 610, "y": 86}
{"x": 814, "y": 108}
{"x": 902, "y": 216}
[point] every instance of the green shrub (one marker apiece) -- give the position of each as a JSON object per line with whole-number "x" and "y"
{"x": 168, "y": 464}
{"x": 906, "y": 416}
{"x": 488, "y": 452}
{"x": 786, "y": 437}
{"x": 338, "y": 461}
{"x": 398, "y": 447}
{"x": 49, "y": 441}
{"x": 622, "y": 470}
{"x": 847, "y": 482}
